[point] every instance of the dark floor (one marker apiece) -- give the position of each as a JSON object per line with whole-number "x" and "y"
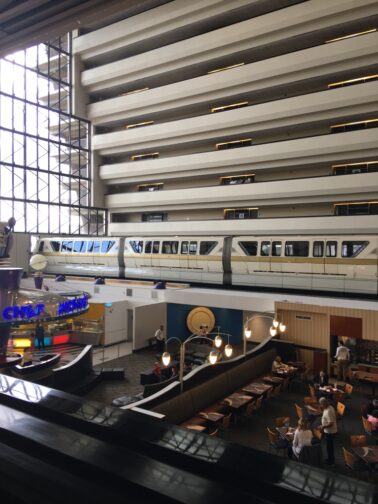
{"x": 252, "y": 432}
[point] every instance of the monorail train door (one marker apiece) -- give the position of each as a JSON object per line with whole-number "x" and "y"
{"x": 226, "y": 260}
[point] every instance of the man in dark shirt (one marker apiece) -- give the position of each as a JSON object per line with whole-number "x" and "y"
{"x": 40, "y": 336}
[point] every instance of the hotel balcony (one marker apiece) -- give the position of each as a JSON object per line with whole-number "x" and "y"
{"x": 281, "y": 31}
{"x": 274, "y": 193}
{"x": 310, "y": 69}
{"x": 327, "y": 225}
{"x": 293, "y": 154}
{"x": 263, "y": 122}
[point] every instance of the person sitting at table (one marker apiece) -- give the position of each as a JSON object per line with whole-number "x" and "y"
{"x": 320, "y": 380}
{"x": 279, "y": 366}
{"x": 302, "y": 436}
{"x": 373, "y": 419}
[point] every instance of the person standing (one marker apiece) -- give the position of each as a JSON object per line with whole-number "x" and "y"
{"x": 342, "y": 358}
{"x": 40, "y": 336}
{"x": 329, "y": 428}
{"x": 159, "y": 336}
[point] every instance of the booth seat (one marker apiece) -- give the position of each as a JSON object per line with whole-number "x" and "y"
{"x": 186, "y": 405}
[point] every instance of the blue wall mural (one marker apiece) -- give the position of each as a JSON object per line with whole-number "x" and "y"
{"x": 230, "y": 321}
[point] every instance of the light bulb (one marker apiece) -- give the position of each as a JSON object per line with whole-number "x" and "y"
{"x": 248, "y": 332}
{"x": 282, "y": 327}
{"x": 166, "y": 358}
{"x": 213, "y": 357}
{"x": 273, "y": 331}
{"x": 218, "y": 341}
{"x": 275, "y": 323}
{"x": 228, "y": 350}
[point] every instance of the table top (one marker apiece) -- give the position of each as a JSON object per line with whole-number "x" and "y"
{"x": 328, "y": 389}
{"x": 199, "y": 428}
{"x": 272, "y": 379}
{"x": 368, "y": 454}
{"x": 236, "y": 400}
{"x": 256, "y": 388}
{"x": 212, "y": 416}
{"x": 286, "y": 433}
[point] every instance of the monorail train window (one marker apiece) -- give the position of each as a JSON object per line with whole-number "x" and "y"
{"x": 67, "y": 246}
{"x": 137, "y": 246}
{"x": 297, "y": 248}
{"x": 169, "y": 247}
{"x": 193, "y": 248}
{"x": 265, "y": 248}
{"x": 331, "y": 249}
{"x": 318, "y": 249}
{"x": 206, "y": 247}
{"x": 41, "y": 245}
{"x": 152, "y": 247}
{"x": 106, "y": 246}
{"x": 189, "y": 247}
{"x": 249, "y": 247}
{"x": 94, "y": 246}
{"x": 241, "y": 213}
{"x": 79, "y": 246}
{"x": 352, "y": 248}
{"x": 238, "y": 179}
{"x": 55, "y": 245}
{"x": 276, "y": 248}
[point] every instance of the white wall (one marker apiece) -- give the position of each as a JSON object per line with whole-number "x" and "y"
{"x": 116, "y": 323}
{"x": 147, "y": 320}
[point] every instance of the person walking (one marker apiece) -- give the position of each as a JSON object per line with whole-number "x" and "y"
{"x": 40, "y": 336}
{"x": 159, "y": 337}
{"x": 342, "y": 358}
{"x": 329, "y": 428}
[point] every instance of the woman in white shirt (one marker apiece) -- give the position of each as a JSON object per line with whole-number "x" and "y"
{"x": 302, "y": 436}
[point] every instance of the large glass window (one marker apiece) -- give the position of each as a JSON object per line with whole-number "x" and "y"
{"x": 296, "y": 248}
{"x": 44, "y": 148}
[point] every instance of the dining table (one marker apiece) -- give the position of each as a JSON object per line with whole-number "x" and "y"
{"x": 211, "y": 416}
{"x": 274, "y": 380}
{"x": 256, "y": 388}
{"x": 236, "y": 401}
{"x": 286, "y": 433}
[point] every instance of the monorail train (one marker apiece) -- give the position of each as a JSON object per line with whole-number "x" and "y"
{"x": 347, "y": 264}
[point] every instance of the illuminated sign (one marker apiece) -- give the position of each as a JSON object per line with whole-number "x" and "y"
{"x": 72, "y": 305}
{"x": 22, "y": 312}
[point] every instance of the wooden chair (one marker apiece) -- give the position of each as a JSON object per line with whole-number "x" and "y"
{"x": 368, "y": 428}
{"x": 276, "y": 391}
{"x": 353, "y": 463}
{"x": 257, "y": 404}
{"x": 300, "y": 411}
{"x": 275, "y": 441}
{"x": 280, "y": 421}
{"x": 340, "y": 410}
{"x": 312, "y": 391}
{"x": 359, "y": 440}
{"x": 226, "y": 421}
{"x": 310, "y": 400}
{"x": 214, "y": 432}
{"x": 348, "y": 389}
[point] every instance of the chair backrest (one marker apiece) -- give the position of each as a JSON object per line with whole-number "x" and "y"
{"x": 359, "y": 440}
{"x": 226, "y": 421}
{"x": 277, "y": 390}
{"x": 349, "y": 458}
{"x": 273, "y": 436}
{"x": 348, "y": 388}
{"x": 258, "y": 402}
{"x": 367, "y": 425}
{"x": 340, "y": 407}
{"x": 280, "y": 421}
{"x": 312, "y": 390}
{"x": 299, "y": 410}
{"x": 317, "y": 433}
{"x": 309, "y": 400}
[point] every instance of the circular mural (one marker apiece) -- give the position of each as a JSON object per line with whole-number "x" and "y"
{"x": 200, "y": 316}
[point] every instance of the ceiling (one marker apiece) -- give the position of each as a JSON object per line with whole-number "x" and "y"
{"x": 24, "y": 23}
